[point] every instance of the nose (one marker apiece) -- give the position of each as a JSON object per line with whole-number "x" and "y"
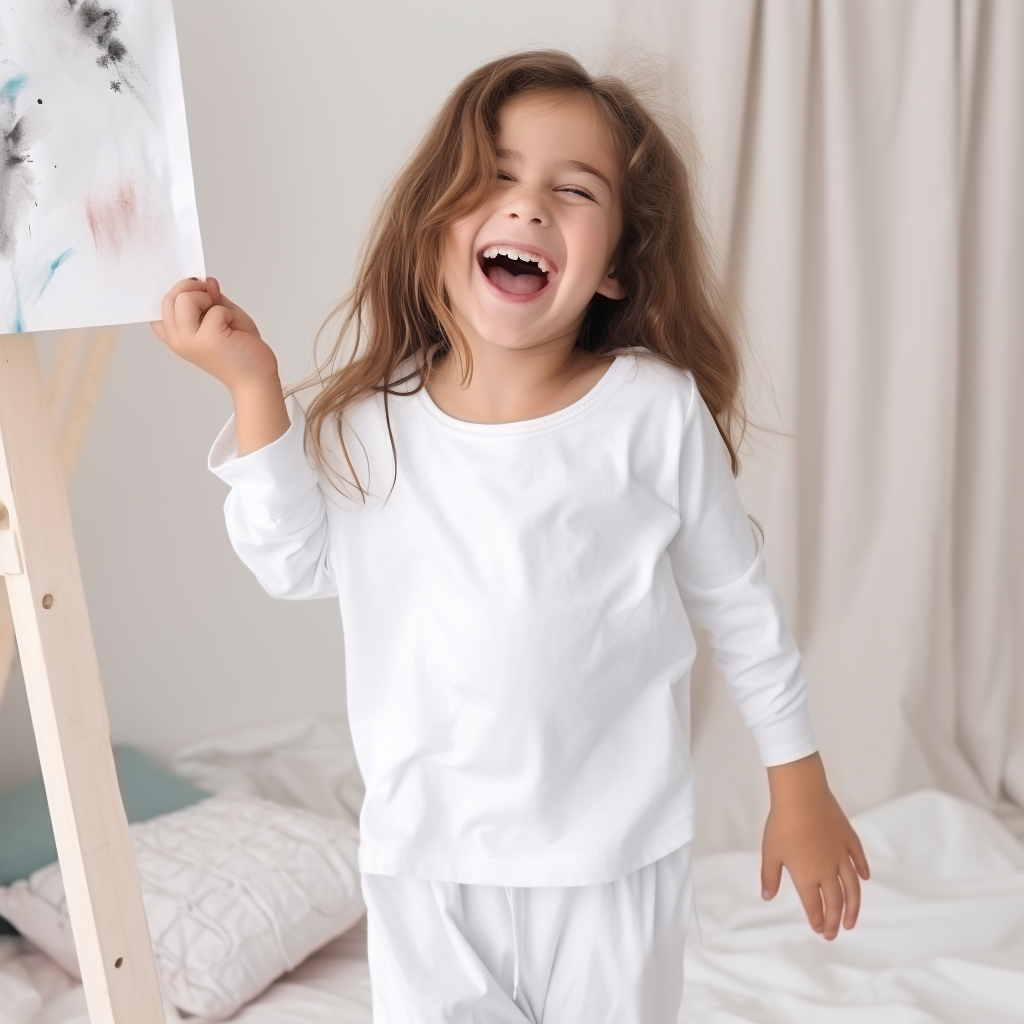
{"x": 526, "y": 206}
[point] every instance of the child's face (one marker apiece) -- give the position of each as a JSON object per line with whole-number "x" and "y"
{"x": 555, "y": 205}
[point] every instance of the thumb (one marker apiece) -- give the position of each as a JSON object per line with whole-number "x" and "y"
{"x": 771, "y": 874}
{"x": 216, "y": 321}
{"x": 234, "y": 318}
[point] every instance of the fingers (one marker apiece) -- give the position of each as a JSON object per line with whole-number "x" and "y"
{"x": 851, "y": 892}
{"x": 835, "y": 902}
{"x": 213, "y": 290}
{"x": 220, "y": 298}
{"x": 832, "y": 893}
{"x": 158, "y": 330}
{"x": 771, "y": 875}
{"x": 189, "y": 309}
{"x": 167, "y": 307}
{"x": 860, "y": 861}
{"x": 234, "y": 315}
{"x": 810, "y": 897}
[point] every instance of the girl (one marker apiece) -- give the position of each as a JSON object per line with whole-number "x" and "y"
{"x": 521, "y": 491}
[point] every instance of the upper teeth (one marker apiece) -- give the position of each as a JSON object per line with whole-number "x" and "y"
{"x": 517, "y": 254}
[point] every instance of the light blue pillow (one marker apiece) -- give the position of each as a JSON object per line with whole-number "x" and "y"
{"x": 148, "y": 789}
{"x": 26, "y": 836}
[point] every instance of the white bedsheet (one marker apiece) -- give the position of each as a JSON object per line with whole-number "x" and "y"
{"x": 331, "y": 987}
{"x": 941, "y": 936}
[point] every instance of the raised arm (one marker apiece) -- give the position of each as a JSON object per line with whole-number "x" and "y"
{"x": 208, "y": 329}
{"x": 276, "y": 513}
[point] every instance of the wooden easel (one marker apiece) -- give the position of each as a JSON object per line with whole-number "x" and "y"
{"x": 65, "y": 696}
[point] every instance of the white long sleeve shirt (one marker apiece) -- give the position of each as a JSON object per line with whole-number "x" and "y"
{"x": 517, "y": 621}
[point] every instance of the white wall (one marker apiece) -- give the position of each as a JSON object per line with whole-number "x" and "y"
{"x": 298, "y": 114}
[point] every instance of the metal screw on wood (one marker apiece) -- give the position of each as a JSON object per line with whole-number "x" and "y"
{"x": 47, "y": 600}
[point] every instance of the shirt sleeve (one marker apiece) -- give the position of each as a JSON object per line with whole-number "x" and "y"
{"x": 276, "y": 512}
{"x": 720, "y": 571}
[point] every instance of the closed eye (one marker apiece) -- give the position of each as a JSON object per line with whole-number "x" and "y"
{"x": 575, "y": 189}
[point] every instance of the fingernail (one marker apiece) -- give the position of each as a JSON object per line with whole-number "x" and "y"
{"x": 193, "y": 278}
{"x": 765, "y": 894}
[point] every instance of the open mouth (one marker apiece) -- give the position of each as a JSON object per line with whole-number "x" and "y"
{"x": 516, "y": 271}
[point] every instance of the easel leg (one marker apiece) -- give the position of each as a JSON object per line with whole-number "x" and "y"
{"x": 77, "y": 401}
{"x": 7, "y": 645}
{"x": 69, "y": 714}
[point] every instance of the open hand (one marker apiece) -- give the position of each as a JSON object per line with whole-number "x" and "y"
{"x": 208, "y": 329}
{"x": 808, "y": 833}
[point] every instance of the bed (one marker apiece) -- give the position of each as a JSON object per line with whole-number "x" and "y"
{"x": 941, "y": 937}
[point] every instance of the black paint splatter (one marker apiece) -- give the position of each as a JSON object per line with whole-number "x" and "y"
{"x": 96, "y": 25}
{"x": 17, "y": 183}
{"x": 116, "y": 51}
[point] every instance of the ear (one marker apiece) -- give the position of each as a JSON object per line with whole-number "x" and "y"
{"x": 611, "y": 287}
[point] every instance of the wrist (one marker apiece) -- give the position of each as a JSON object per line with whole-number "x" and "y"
{"x": 797, "y": 779}
{"x": 261, "y": 416}
{"x": 257, "y": 389}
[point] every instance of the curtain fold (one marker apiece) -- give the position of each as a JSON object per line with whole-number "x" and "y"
{"x": 864, "y": 172}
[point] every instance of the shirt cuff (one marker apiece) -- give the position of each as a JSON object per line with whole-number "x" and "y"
{"x": 275, "y": 475}
{"x": 786, "y": 737}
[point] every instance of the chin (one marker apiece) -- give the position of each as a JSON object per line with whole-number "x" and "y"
{"x": 505, "y": 336}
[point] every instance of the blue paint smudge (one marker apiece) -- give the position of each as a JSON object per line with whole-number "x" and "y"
{"x": 53, "y": 269}
{"x": 19, "y": 324}
{"x": 13, "y": 86}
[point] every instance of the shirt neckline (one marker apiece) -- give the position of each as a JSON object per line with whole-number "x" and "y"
{"x": 608, "y": 379}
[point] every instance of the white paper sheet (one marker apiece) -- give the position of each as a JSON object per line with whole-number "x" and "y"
{"x": 97, "y": 206}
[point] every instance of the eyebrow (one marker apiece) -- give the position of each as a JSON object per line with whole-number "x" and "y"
{"x": 572, "y": 165}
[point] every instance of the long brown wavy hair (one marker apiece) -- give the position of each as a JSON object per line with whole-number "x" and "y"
{"x": 398, "y": 308}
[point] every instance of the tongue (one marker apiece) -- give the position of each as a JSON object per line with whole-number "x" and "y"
{"x": 518, "y": 284}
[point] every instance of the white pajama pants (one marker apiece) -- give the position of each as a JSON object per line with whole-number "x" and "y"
{"x": 448, "y": 953}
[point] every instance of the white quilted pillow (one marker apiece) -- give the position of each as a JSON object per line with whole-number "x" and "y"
{"x": 237, "y": 891}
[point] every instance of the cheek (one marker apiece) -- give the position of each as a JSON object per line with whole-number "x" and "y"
{"x": 460, "y": 234}
{"x": 593, "y": 241}
{"x": 459, "y": 257}
{"x": 455, "y": 258}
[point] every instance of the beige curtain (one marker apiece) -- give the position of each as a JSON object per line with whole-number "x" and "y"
{"x": 864, "y": 164}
